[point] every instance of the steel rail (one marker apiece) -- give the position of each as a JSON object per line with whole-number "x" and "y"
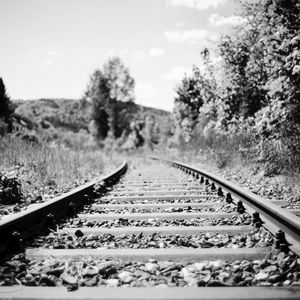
{"x": 174, "y": 254}
{"x": 277, "y": 217}
{"x": 31, "y": 221}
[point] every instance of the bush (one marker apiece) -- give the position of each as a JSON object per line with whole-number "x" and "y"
{"x": 10, "y": 189}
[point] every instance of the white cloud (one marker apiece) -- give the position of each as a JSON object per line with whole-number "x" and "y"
{"x": 218, "y": 20}
{"x": 48, "y": 62}
{"x": 198, "y": 4}
{"x": 179, "y": 24}
{"x": 189, "y": 36}
{"x": 147, "y": 95}
{"x": 177, "y": 73}
{"x": 139, "y": 55}
{"x": 124, "y": 51}
{"x": 145, "y": 92}
{"x": 156, "y": 52}
{"x": 54, "y": 53}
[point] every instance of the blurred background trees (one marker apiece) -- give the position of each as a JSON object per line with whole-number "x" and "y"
{"x": 6, "y": 110}
{"x": 254, "y": 91}
{"x": 242, "y": 98}
{"x": 107, "y": 89}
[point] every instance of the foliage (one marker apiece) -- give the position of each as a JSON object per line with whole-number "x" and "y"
{"x": 43, "y": 168}
{"x": 63, "y": 114}
{"x": 10, "y": 189}
{"x": 6, "y": 110}
{"x": 193, "y": 93}
{"x": 255, "y": 89}
{"x": 69, "y": 122}
{"x": 107, "y": 89}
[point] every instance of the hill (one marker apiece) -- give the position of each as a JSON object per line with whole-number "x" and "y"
{"x": 58, "y": 117}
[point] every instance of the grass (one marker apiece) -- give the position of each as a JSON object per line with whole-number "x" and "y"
{"x": 51, "y": 169}
{"x": 238, "y": 165}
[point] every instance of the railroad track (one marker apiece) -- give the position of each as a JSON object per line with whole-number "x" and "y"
{"x": 164, "y": 230}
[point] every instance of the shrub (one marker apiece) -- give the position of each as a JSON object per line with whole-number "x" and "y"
{"x": 10, "y": 189}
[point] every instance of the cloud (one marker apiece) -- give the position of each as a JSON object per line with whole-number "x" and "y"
{"x": 48, "y": 62}
{"x": 139, "y": 55}
{"x": 189, "y": 36}
{"x": 54, "y": 53}
{"x": 145, "y": 92}
{"x": 177, "y": 73}
{"x": 198, "y": 4}
{"x": 179, "y": 24}
{"x": 217, "y": 20}
{"x": 156, "y": 52}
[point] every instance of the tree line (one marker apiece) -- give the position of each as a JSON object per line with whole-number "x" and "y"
{"x": 254, "y": 90}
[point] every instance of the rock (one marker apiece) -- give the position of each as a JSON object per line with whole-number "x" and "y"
{"x": 112, "y": 282}
{"x": 28, "y": 277}
{"x": 216, "y": 283}
{"x": 90, "y": 271}
{"x": 151, "y": 267}
{"x": 102, "y": 267}
{"x": 68, "y": 279}
{"x": 199, "y": 266}
{"x": 161, "y": 285}
{"x": 56, "y": 271}
{"x": 72, "y": 287}
{"x": 261, "y": 276}
{"x": 223, "y": 276}
{"x": 91, "y": 282}
{"x": 280, "y": 258}
{"x": 271, "y": 268}
{"x": 206, "y": 278}
{"x": 125, "y": 277}
{"x": 264, "y": 283}
{"x": 274, "y": 278}
{"x": 162, "y": 245}
{"x": 45, "y": 280}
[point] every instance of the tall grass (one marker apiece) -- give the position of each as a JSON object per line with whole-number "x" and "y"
{"x": 44, "y": 167}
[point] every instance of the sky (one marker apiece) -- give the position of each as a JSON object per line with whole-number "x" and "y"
{"x": 49, "y": 48}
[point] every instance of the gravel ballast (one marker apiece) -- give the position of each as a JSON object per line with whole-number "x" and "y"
{"x": 243, "y": 219}
{"x": 277, "y": 269}
{"x": 64, "y": 240}
{"x": 129, "y": 210}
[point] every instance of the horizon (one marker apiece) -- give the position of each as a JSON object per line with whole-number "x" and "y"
{"x": 52, "y": 47}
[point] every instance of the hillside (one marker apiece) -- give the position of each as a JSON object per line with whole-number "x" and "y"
{"x": 57, "y": 116}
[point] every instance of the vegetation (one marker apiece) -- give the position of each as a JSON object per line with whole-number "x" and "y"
{"x": 6, "y": 110}
{"x": 106, "y": 91}
{"x": 43, "y": 170}
{"x": 250, "y": 102}
{"x": 245, "y": 108}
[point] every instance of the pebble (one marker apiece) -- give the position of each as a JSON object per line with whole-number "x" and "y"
{"x": 112, "y": 282}
{"x": 261, "y": 276}
{"x": 68, "y": 279}
{"x": 125, "y": 277}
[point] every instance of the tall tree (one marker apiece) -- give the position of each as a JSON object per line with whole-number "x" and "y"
{"x": 108, "y": 90}
{"x": 98, "y": 94}
{"x": 192, "y": 93}
{"x": 6, "y": 107}
{"x": 121, "y": 89}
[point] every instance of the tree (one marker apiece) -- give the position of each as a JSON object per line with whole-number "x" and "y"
{"x": 6, "y": 108}
{"x": 121, "y": 89}
{"x": 108, "y": 89}
{"x": 192, "y": 93}
{"x": 98, "y": 94}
